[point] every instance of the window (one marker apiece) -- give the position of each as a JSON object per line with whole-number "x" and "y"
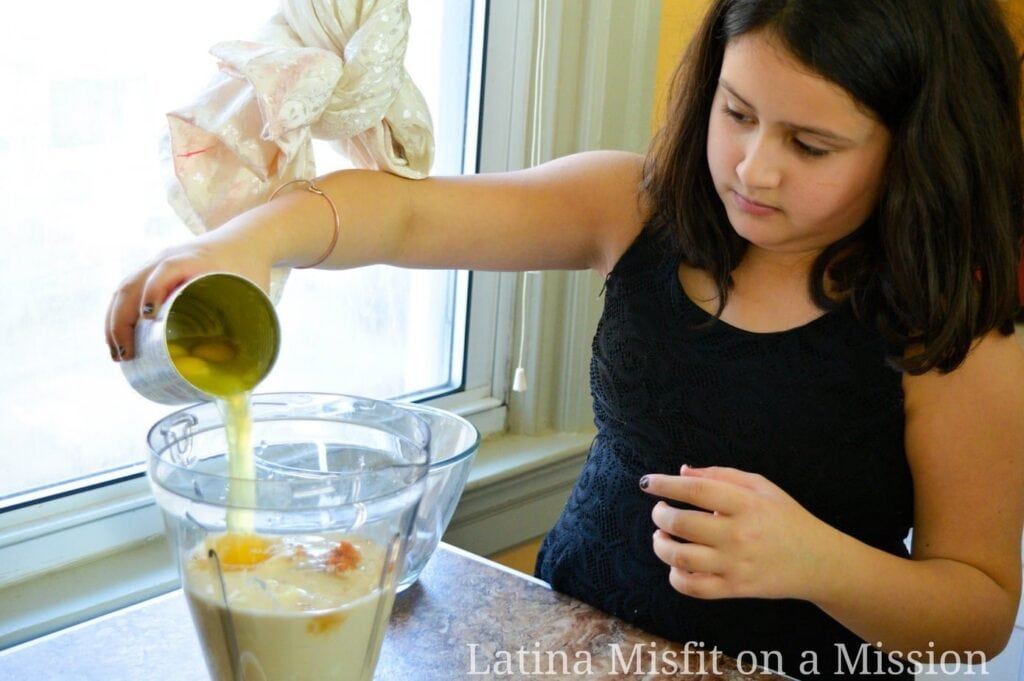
{"x": 84, "y": 205}
{"x": 74, "y": 551}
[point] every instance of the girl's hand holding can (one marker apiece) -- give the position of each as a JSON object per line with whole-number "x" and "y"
{"x": 142, "y": 292}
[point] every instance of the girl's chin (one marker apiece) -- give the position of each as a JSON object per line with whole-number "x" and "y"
{"x": 758, "y": 231}
{"x": 773, "y": 239}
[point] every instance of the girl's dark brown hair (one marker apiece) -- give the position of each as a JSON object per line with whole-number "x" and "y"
{"x": 935, "y": 266}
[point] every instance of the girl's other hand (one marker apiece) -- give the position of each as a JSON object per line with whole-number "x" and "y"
{"x": 750, "y": 540}
{"x": 142, "y": 293}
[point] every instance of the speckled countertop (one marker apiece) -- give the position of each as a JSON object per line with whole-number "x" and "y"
{"x": 467, "y": 618}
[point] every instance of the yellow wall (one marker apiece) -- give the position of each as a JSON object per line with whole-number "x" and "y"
{"x": 1014, "y": 10}
{"x": 521, "y": 557}
{"x": 679, "y": 20}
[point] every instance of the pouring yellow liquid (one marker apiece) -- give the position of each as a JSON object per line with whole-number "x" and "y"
{"x": 215, "y": 365}
{"x": 309, "y": 604}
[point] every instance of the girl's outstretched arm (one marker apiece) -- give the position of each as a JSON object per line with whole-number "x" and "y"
{"x": 577, "y": 212}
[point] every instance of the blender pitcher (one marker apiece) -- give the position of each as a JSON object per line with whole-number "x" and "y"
{"x": 304, "y": 590}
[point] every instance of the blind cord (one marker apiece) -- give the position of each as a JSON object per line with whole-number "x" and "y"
{"x": 519, "y": 383}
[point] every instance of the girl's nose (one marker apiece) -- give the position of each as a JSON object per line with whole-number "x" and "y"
{"x": 759, "y": 167}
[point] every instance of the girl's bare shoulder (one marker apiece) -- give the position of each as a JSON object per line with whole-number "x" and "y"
{"x": 973, "y": 411}
{"x": 611, "y": 187}
{"x": 993, "y": 370}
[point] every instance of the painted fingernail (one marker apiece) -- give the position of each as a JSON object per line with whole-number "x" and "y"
{"x": 644, "y": 482}
{"x": 113, "y": 354}
{"x": 120, "y": 351}
{"x": 147, "y": 309}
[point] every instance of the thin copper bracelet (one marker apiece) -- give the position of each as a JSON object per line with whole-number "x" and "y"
{"x": 334, "y": 209}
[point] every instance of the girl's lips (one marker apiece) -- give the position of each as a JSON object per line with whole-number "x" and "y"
{"x": 752, "y": 207}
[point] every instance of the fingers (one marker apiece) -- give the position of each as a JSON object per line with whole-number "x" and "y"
{"x": 140, "y": 295}
{"x": 725, "y": 474}
{"x": 689, "y": 557}
{"x": 160, "y": 284}
{"x": 695, "y": 570}
{"x": 707, "y": 493}
{"x": 696, "y": 526}
{"x": 699, "y": 584}
{"x": 121, "y": 318}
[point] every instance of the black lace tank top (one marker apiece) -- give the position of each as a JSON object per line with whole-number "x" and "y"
{"x": 814, "y": 409}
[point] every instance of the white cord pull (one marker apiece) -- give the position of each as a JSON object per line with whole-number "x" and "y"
{"x": 519, "y": 382}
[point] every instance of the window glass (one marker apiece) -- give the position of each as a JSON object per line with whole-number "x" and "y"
{"x": 84, "y": 204}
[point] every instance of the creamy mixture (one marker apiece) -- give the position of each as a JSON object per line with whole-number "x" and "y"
{"x": 300, "y": 608}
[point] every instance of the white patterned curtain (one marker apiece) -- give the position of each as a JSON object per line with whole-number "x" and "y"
{"x": 329, "y": 69}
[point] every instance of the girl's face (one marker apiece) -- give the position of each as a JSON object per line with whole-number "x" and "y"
{"x": 795, "y": 160}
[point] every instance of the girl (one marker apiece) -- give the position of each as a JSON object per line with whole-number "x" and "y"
{"x": 807, "y": 343}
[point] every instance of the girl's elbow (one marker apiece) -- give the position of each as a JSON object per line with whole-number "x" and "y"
{"x": 996, "y": 636}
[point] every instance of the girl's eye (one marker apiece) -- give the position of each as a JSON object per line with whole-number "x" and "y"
{"x": 808, "y": 150}
{"x": 805, "y": 149}
{"x": 735, "y": 115}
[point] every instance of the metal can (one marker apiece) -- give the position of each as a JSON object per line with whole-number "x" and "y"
{"x": 217, "y": 308}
